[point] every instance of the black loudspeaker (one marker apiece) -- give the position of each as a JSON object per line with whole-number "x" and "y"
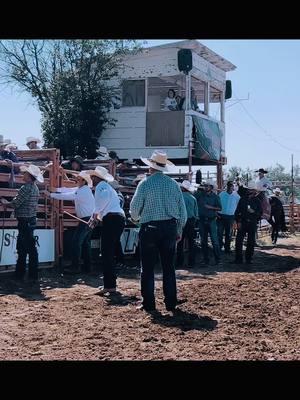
{"x": 228, "y": 91}
{"x": 185, "y": 60}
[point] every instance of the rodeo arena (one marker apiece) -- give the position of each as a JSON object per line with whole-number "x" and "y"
{"x": 145, "y": 253}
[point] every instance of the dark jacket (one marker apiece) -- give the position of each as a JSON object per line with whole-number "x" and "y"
{"x": 243, "y": 215}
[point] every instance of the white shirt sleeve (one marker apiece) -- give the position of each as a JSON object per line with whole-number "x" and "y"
{"x": 70, "y": 195}
{"x": 102, "y": 198}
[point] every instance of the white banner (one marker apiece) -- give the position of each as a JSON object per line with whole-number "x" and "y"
{"x": 44, "y": 243}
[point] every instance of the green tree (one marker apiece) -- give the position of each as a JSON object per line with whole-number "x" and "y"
{"x": 74, "y": 83}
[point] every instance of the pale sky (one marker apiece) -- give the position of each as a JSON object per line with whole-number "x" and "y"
{"x": 260, "y": 132}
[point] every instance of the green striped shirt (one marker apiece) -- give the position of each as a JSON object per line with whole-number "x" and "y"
{"x": 158, "y": 198}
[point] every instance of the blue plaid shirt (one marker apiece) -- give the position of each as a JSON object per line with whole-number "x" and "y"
{"x": 158, "y": 198}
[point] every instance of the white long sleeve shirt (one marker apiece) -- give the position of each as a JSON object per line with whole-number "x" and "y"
{"x": 263, "y": 184}
{"x": 106, "y": 200}
{"x": 82, "y": 197}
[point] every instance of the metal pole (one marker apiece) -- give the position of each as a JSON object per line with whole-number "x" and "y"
{"x": 190, "y": 159}
{"x": 292, "y": 225}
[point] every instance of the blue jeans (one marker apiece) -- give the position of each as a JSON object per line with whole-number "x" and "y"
{"x": 82, "y": 246}
{"x": 158, "y": 236}
{"x": 189, "y": 234}
{"x": 209, "y": 226}
{"x": 26, "y": 245}
{"x": 225, "y": 224}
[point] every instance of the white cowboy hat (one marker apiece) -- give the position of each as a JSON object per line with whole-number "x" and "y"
{"x": 34, "y": 171}
{"x": 188, "y": 186}
{"x": 86, "y": 177}
{"x": 102, "y": 150}
{"x": 277, "y": 190}
{"x": 4, "y": 141}
{"x": 209, "y": 182}
{"x": 102, "y": 173}
{"x": 32, "y": 139}
{"x": 158, "y": 161}
{"x": 10, "y": 146}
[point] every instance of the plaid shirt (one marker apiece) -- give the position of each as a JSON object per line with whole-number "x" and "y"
{"x": 158, "y": 198}
{"x": 26, "y": 201}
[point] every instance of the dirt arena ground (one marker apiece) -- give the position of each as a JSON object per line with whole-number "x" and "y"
{"x": 228, "y": 313}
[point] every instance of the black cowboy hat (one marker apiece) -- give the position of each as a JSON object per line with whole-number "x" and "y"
{"x": 262, "y": 171}
{"x": 78, "y": 159}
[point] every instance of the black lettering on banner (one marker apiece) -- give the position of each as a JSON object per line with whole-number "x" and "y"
{"x": 7, "y": 240}
{"x": 36, "y": 238}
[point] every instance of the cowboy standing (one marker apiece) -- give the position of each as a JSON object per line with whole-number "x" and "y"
{"x": 159, "y": 206}
{"x": 229, "y": 201}
{"x": 109, "y": 211}
{"x": 208, "y": 205}
{"x": 247, "y": 214}
{"x": 189, "y": 228}
{"x": 32, "y": 143}
{"x": 84, "y": 207}
{"x": 25, "y": 205}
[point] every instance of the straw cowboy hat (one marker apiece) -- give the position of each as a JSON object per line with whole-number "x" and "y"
{"x": 102, "y": 173}
{"x": 158, "y": 161}
{"x": 34, "y": 171}
{"x": 188, "y": 186}
{"x": 277, "y": 190}
{"x": 32, "y": 139}
{"x": 86, "y": 177}
{"x": 262, "y": 171}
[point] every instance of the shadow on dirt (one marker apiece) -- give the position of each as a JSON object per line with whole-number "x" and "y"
{"x": 185, "y": 321}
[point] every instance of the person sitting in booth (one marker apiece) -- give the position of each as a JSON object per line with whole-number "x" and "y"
{"x": 170, "y": 101}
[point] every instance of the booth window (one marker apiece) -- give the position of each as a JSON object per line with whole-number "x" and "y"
{"x": 133, "y": 94}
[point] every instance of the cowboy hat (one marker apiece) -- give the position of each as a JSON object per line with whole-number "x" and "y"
{"x": 277, "y": 190}
{"x": 4, "y": 141}
{"x": 158, "y": 161}
{"x": 34, "y": 171}
{"x": 102, "y": 150}
{"x": 262, "y": 171}
{"x": 11, "y": 146}
{"x": 187, "y": 185}
{"x": 77, "y": 159}
{"x": 86, "y": 177}
{"x": 102, "y": 173}
{"x": 32, "y": 139}
{"x": 209, "y": 182}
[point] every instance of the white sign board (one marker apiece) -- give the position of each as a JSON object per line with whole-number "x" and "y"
{"x": 129, "y": 241}
{"x": 44, "y": 243}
